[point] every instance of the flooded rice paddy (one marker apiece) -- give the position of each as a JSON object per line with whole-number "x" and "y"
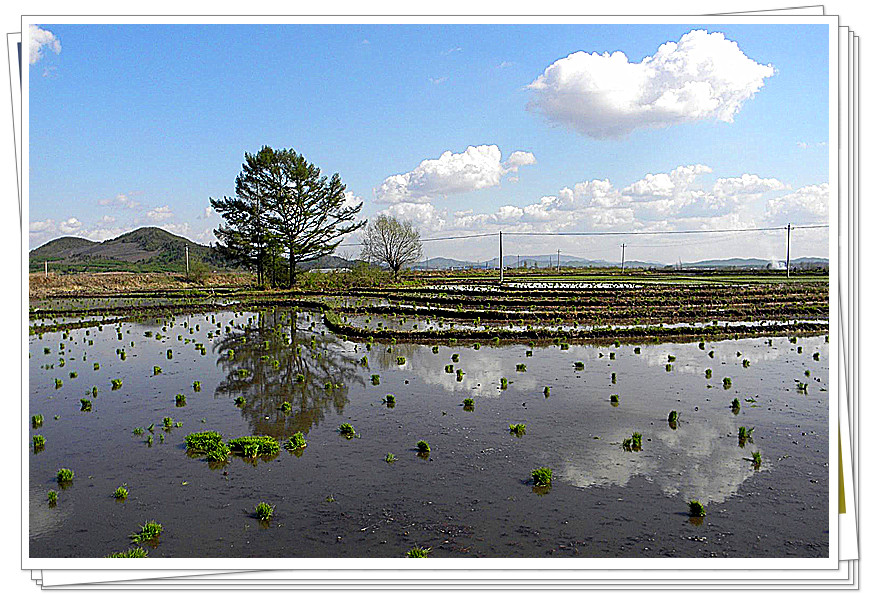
{"x": 472, "y": 494}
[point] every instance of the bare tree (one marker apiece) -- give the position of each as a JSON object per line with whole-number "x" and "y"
{"x": 392, "y": 242}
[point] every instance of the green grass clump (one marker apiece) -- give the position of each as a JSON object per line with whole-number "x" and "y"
{"x": 418, "y": 552}
{"x": 735, "y": 405}
{"x": 218, "y": 454}
{"x": 756, "y": 459}
{"x": 240, "y": 401}
{"x": 673, "y": 417}
{"x": 157, "y": 370}
{"x": 150, "y": 531}
{"x": 816, "y": 356}
{"x": 86, "y": 404}
{"x": 454, "y": 358}
{"x": 116, "y": 383}
{"x": 613, "y": 378}
{"x": 38, "y": 442}
{"x": 197, "y": 386}
{"x": 726, "y": 382}
{"x": 637, "y": 350}
{"x": 746, "y": 363}
{"x": 264, "y": 511}
{"x": 58, "y": 383}
{"x": 254, "y": 446}
{"x": 295, "y": 441}
{"x": 468, "y": 404}
{"x": 634, "y": 443}
{"x": 300, "y": 378}
{"x": 96, "y": 366}
{"x": 448, "y": 369}
{"x": 52, "y": 498}
{"x": 65, "y": 475}
{"x": 286, "y": 407}
{"x": 504, "y": 383}
{"x": 390, "y": 399}
{"x": 521, "y": 367}
{"x": 542, "y": 476}
{"x": 73, "y": 374}
{"x": 400, "y": 360}
{"x": 201, "y": 442}
{"x": 517, "y": 429}
{"x": 138, "y": 431}
{"x": 376, "y": 379}
{"x": 180, "y": 400}
{"x": 708, "y": 373}
{"x": 696, "y": 509}
{"x": 578, "y": 365}
{"x": 121, "y": 493}
{"x": 94, "y": 391}
{"x": 546, "y": 392}
{"x": 390, "y": 457}
{"x": 614, "y": 398}
{"x": 167, "y": 423}
{"x": 423, "y": 446}
{"x": 133, "y": 552}
{"x": 37, "y": 420}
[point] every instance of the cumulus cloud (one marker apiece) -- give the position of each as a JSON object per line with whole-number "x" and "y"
{"x": 208, "y": 212}
{"x": 41, "y": 39}
{"x": 476, "y": 168}
{"x": 179, "y": 229}
{"x": 424, "y": 216}
{"x": 159, "y": 213}
{"x": 805, "y": 205}
{"x": 351, "y": 199}
{"x": 70, "y": 225}
{"x": 120, "y": 200}
{"x": 39, "y": 227}
{"x": 101, "y": 233}
{"x": 703, "y": 76}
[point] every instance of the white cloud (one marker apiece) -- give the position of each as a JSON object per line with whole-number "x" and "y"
{"x": 505, "y": 64}
{"x": 42, "y": 39}
{"x": 106, "y": 219}
{"x": 437, "y": 81}
{"x": 423, "y": 216}
{"x": 159, "y": 213}
{"x": 351, "y": 199}
{"x": 208, "y": 212}
{"x": 703, "y": 76}
{"x": 39, "y": 227}
{"x": 100, "y": 234}
{"x": 180, "y": 229}
{"x": 70, "y": 225}
{"x": 805, "y": 205}
{"x": 120, "y": 200}
{"x": 476, "y": 168}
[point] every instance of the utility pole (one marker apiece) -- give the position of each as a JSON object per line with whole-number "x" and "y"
{"x": 187, "y": 260}
{"x": 788, "y": 252}
{"x": 46, "y": 269}
{"x": 558, "y": 260}
{"x": 623, "y": 258}
{"x": 500, "y": 261}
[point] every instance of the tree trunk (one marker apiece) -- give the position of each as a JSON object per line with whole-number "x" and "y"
{"x": 292, "y": 266}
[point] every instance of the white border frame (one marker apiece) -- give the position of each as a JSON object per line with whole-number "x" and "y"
{"x": 830, "y": 562}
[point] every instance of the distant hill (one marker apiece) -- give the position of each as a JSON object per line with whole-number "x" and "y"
{"x": 147, "y": 249}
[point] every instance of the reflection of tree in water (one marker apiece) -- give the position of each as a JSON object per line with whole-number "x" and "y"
{"x": 268, "y": 355}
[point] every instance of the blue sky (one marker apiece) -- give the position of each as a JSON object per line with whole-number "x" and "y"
{"x": 139, "y": 125}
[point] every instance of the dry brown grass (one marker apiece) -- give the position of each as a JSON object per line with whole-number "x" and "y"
{"x": 109, "y": 283}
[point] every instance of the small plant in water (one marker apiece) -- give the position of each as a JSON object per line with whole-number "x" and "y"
{"x": 157, "y": 370}
{"x": 390, "y": 457}
{"x": 295, "y": 441}
{"x": 468, "y": 404}
{"x": 52, "y": 498}
{"x": 197, "y": 386}
{"x": 116, "y": 383}
{"x": 376, "y": 379}
{"x": 346, "y": 430}
{"x": 147, "y": 532}
{"x": 121, "y": 493}
{"x": 286, "y": 407}
{"x": 673, "y": 417}
{"x": 86, "y": 404}
{"x": 696, "y": 509}
{"x": 517, "y": 429}
{"x": 65, "y": 476}
{"x": 418, "y": 552}
{"x": 390, "y": 399}
{"x": 38, "y": 442}
{"x": 614, "y": 398}
{"x": 726, "y": 382}
{"x": 756, "y": 459}
{"x": 578, "y": 365}
{"x": 504, "y": 383}
{"x": 240, "y": 401}
{"x": 180, "y": 400}
{"x": 613, "y": 378}
{"x": 264, "y": 511}
{"x": 735, "y": 405}
{"x": 133, "y": 552}
{"x": 423, "y": 446}
{"x": 542, "y": 476}
{"x": 37, "y": 420}
{"x": 521, "y": 367}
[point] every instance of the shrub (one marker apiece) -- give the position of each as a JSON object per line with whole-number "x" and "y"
{"x": 157, "y": 370}
{"x": 542, "y": 476}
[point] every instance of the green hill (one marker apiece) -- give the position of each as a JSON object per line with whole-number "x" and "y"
{"x": 147, "y": 249}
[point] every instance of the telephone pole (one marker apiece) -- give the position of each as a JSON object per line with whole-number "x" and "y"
{"x": 46, "y": 269}
{"x": 500, "y": 261}
{"x": 788, "y": 252}
{"x": 187, "y": 260}
{"x": 623, "y": 258}
{"x": 558, "y": 259}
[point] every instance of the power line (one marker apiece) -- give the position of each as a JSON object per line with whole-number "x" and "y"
{"x": 658, "y": 232}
